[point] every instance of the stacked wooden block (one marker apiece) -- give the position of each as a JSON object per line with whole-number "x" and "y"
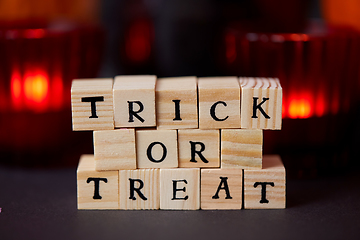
{"x": 178, "y": 143}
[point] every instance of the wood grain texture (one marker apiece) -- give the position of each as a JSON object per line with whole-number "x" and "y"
{"x": 134, "y": 89}
{"x": 212, "y": 90}
{"x": 150, "y": 190}
{"x": 187, "y": 183}
{"x": 183, "y": 89}
{"x": 210, "y": 139}
{"x": 162, "y": 144}
{"x": 114, "y": 149}
{"x": 212, "y": 179}
{"x": 261, "y": 88}
{"x": 273, "y": 172}
{"x": 81, "y": 111}
{"x": 108, "y": 191}
{"x": 241, "y": 148}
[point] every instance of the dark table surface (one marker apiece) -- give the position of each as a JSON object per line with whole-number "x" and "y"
{"x": 41, "y": 204}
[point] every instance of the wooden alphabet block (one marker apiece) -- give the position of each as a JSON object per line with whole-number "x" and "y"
{"x": 134, "y": 101}
{"x": 92, "y": 104}
{"x": 180, "y": 189}
{"x": 221, "y": 188}
{"x": 156, "y": 148}
{"x": 265, "y": 188}
{"x": 176, "y": 103}
{"x": 199, "y": 148}
{"x": 114, "y": 149}
{"x": 139, "y": 189}
{"x": 219, "y": 102}
{"x": 261, "y": 103}
{"x": 96, "y": 190}
{"x": 241, "y": 148}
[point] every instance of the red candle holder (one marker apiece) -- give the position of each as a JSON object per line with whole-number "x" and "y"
{"x": 37, "y": 66}
{"x": 319, "y": 73}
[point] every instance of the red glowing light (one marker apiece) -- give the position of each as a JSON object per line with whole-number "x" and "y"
{"x": 300, "y": 108}
{"x": 230, "y": 47}
{"x": 16, "y": 89}
{"x": 34, "y": 33}
{"x": 57, "y": 91}
{"x": 335, "y": 103}
{"x": 295, "y": 37}
{"x": 15, "y": 86}
{"x": 305, "y": 37}
{"x": 283, "y": 111}
{"x": 320, "y": 106}
{"x": 138, "y": 41}
{"x": 34, "y": 91}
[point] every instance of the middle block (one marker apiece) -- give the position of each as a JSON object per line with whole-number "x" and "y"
{"x": 156, "y": 149}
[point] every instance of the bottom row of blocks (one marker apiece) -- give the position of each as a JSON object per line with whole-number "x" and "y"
{"x": 182, "y": 189}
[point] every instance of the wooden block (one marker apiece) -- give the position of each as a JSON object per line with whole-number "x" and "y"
{"x": 92, "y": 104}
{"x": 114, "y": 149}
{"x": 180, "y": 189}
{"x": 261, "y": 103}
{"x": 156, "y": 149}
{"x": 96, "y": 190}
{"x": 241, "y": 148}
{"x": 265, "y": 188}
{"x": 139, "y": 189}
{"x": 219, "y": 102}
{"x": 176, "y": 103}
{"x": 199, "y": 148}
{"x": 134, "y": 101}
{"x": 221, "y": 188}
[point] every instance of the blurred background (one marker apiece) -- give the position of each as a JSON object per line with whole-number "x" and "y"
{"x": 312, "y": 46}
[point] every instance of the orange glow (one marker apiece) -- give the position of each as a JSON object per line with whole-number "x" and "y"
{"x": 33, "y": 90}
{"x": 300, "y": 108}
{"x": 230, "y": 48}
{"x": 36, "y": 89}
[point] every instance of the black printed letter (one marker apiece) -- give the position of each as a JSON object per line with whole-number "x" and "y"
{"x": 226, "y": 188}
{"x": 92, "y": 100}
{"x": 149, "y": 150}
{"x": 175, "y": 189}
{"x": 133, "y": 189}
{"x": 212, "y": 111}
{"x": 132, "y": 113}
{"x": 177, "y": 110}
{"x": 255, "y": 106}
{"x": 193, "y": 151}
{"x": 263, "y": 190}
{"x": 96, "y": 184}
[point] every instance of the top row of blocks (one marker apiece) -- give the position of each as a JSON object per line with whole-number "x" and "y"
{"x": 176, "y": 103}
